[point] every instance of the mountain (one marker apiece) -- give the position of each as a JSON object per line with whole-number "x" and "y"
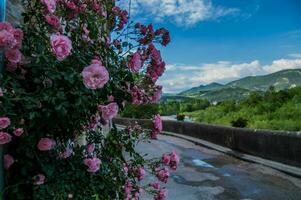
{"x": 224, "y": 94}
{"x": 211, "y": 86}
{"x": 243, "y": 87}
{"x": 280, "y": 80}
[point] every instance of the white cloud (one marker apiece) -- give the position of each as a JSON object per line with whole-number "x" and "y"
{"x": 180, "y": 77}
{"x": 181, "y": 12}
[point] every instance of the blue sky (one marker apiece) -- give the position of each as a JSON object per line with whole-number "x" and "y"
{"x": 223, "y": 40}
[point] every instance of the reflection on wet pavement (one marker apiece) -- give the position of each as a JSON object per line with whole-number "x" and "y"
{"x": 206, "y": 174}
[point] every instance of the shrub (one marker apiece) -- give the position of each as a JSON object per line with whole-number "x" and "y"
{"x": 70, "y": 73}
{"x": 180, "y": 117}
{"x": 240, "y": 122}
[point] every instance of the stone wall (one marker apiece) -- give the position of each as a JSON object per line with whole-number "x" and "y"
{"x": 279, "y": 146}
{"x": 13, "y": 11}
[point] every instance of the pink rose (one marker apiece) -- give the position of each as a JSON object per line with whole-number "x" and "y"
{"x": 157, "y": 94}
{"x": 39, "y": 179}
{"x": 71, "y": 5}
{"x": 13, "y": 56}
{"x": 174, "y": 160}
{"x": 61, "y": 46}
{"x": 128, "y": 187}
{"x": 6, "y": 38}
{"x": 46, "y": 144}
{"x": 109, "y": 111}
{"x": 111, "y": 98}
{"x": 157, "y": 126}
{"x": 157, "y": 123}
{"x": 66, "y": 154}
{"x": 155, "y": 185}
{"x": 1, "y": 92}
{"x": 95, "y": 76}
{"x": 125, "y": 168}
{"x": 8, "y": 161}
{"x": 53, "y": 21}
{"x": 90, "y": 148}
{"x": 4, "y": 122}
{"x": 6, "y": 26}
{"x": 5, "y": 138}
{"x": 18, "y": 132}
{"x": 161, "y": 195}
{"x": 135, "y": 62}
{"x": 93, "y": 164}
{"x": 18, "y": 35}
{"x": 163, "y": 174}
{"x": 50, "y": 5}
{"x": 166, "y": 159}
{"x": 141, "y": 173}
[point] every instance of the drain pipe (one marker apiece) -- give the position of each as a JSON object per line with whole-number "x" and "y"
{"x": 2, "y": 18}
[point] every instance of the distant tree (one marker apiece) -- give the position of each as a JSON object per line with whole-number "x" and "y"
{"x": 240, "y": 122}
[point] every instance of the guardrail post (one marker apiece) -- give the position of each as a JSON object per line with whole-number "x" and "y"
{"x": 2, "y": 18}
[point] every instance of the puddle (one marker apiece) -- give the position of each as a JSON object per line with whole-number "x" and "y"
{"x": 200, "y": 163}
{"x": 226, "y": 175}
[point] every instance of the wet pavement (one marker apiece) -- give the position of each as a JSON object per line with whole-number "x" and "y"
{"x": 206, "y": 174}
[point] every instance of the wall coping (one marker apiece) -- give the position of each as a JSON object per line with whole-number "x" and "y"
{"x": 278, "y": 146}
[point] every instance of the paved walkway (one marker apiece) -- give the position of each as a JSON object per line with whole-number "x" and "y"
{"x": 206, "y": 174}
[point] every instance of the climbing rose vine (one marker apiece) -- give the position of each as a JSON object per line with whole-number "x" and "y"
{"x": 69, "y": 69}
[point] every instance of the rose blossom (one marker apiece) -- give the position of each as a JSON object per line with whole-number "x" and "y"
{"x": 18, "y": 132}
{"x": 1, "y": 92}
{"x": 135, "y": 62}
{"x": 6, "y": 38}
{"x": 109, "y": 111}
{"x": 66, "y": 153}
{"x": 174, "y": 160}
{"x": 53, "y": 20}
{"x": 111, "y": 98}
{"x": 161, "y": 195}
{"x": 155, "y": 185}
{"x": 157, "y": 126}
{"x": 61, "y": 46}
{"x": 39, "y": 179}
{"x": 93, "y": 164}
{"x": 50, "y": 4}
{"x": 166, "y": 159}
{"x": 163, "y": 174}
{"x": 95, "y": 76}
{"x": 157, "y": 123}
{"x": 90, "y": 148}
{"x": 5, "y": 138}
{"x": 13, "y": 55}
{"x": 8, "y": 161}
{"x": 4, "y": 122}
{"x": 141, "y": 173}
{"x": 46, "y": 144}
{"x": 18, "y": 35}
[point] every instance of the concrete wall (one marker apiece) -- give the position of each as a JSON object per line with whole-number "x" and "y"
{"x": 280, "y": 146}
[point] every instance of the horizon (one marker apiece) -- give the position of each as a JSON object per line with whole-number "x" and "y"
{"x": 221, "y": 41}
{"x": 228, "y": 82}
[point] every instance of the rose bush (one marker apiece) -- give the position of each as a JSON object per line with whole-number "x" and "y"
{"x": 69, "y": 71}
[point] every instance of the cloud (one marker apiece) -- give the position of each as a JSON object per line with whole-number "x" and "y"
{"x": 179, "y": 77}
{"x": 180, "y": 12}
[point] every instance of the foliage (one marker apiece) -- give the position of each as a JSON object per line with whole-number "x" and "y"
{"x": 79, "y": 63}
{"x": 175, "y": 107}
{"x": 240, "y": 122}
{"x": 273, "y": 110}
{"x": 180, "y": 117}
{"x": 140, "y": 111}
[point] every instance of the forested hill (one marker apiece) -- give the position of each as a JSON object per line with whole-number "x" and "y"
{"x": 241, "y": 88}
